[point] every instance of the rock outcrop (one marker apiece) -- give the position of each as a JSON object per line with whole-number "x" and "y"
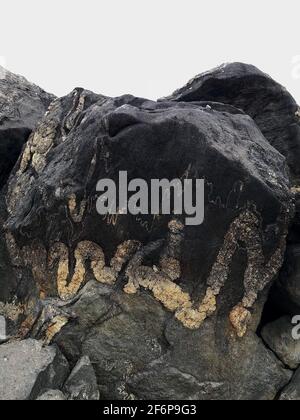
{"x": 165, "y": 310}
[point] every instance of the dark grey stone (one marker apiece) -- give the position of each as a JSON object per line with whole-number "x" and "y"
{"x": 292, "y": 391}
{"x": 27, "y": 369}
{"x": 270, "y": 105}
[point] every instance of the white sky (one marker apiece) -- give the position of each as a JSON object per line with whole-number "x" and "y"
{"x": 146, "y": 47}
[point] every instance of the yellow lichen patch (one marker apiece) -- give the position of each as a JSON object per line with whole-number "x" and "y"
{"x": 76, "y": 215}
{"x": 35, "y": 258}
{"x": 209, "y": 303}
{"x": 54, "y": 328}
{"x": 190, "y": 318}
{"x": 26, "y": 158}
{"x": 246, "y": 229}
{"x": 27, "y": 325}
{"x": 130, "y": 289}
{"x": 240, "y": 318}
{"x": 38, "y": 145}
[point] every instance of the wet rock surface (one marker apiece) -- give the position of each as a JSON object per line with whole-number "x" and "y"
{"x": 147, "y": 307}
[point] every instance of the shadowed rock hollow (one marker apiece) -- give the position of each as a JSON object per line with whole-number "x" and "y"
{"x": 164, "y": 310}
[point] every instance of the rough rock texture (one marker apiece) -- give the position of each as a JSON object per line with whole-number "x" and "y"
{"x": 27, "y": 369}
{"x": 82, "y": 383}
{"x": 22, "y": 105}
{"x": 168, "y": 289}
{"x": 278, "y": 336}
{"x": 270, "y": 105}
{"x": 161, "y": 309}
{"x": 52, "y": 395}
{"x": 292, "y": 391}
{"x": 287, "y": 293}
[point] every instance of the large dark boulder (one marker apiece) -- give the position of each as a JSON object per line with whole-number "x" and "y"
{"x": 168, "y": 310}
{"x": 270, "y": 105}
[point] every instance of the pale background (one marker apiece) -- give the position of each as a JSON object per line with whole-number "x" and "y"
{"x": 147, "y": 48}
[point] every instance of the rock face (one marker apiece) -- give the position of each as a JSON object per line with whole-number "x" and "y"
{"x": 292, "y": 391}
{"x": 270, "y": 105}
{"x": 288, "y": 286}
{"x": 164, "y": 310}
{"x": 27, "y": 369}
{"x": 22, "y": 105}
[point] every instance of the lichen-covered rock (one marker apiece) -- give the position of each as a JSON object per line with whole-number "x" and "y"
{"x": 82, "y": 383}
{"x": 28, "y": 369}
{"x": 52, "y": 395}
{"x": 183, "y": 300}
{"x": 22, "y": 105}
{"x": 270, "y": 105}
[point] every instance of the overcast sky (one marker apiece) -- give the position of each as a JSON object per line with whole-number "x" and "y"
{"x": 147, "y": 48}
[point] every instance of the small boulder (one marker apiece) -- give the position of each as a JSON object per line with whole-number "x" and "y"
{"x": 82, "y": 383}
